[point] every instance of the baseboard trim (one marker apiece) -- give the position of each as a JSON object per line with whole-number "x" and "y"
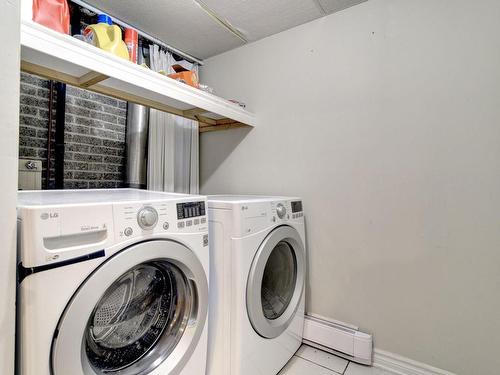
{"x": 403, "y": 366}
{"x": 345, "y": 340}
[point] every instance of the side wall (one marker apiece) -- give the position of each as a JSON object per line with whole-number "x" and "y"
{"x": 385, "y": 119}
{"x": 9, "y": 127}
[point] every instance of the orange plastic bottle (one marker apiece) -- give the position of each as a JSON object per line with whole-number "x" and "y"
{"x": 52, "y": 13}
{"x": 132, "y": 42}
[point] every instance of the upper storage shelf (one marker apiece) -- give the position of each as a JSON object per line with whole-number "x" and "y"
{"x": 63, "y": 58}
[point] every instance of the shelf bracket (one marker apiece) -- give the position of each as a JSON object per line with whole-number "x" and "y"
{"x": 223, "y": 124}
{"x": 91, "y": 78}
{"x": 205, "y": 120}
{"x": 48, "y": 73}
{"x": 194, "y": 112}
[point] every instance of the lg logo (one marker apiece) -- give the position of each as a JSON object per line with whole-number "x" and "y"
{"x": 49, "y": 215}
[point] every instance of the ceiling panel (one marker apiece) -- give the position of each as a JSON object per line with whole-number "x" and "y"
{"x": 261, "y": 18}
{"x": 181, "y": 24}
{"x": 332, "y": 6}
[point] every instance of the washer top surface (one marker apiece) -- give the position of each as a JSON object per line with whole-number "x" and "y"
{"x": 93, "y": 196}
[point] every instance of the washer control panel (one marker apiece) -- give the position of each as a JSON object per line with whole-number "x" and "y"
{"x": 135, "y": 219}
{"x": 189, "y": 210}
{"x": 147, "y": 218}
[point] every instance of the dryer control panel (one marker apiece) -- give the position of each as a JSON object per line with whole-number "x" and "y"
{"x": 255, "y": 216}
{"x": 286, "y": 210}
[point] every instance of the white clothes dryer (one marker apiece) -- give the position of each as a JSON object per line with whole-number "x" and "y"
{"x": 112, "y": 282}
{"x": 257, "y": 274}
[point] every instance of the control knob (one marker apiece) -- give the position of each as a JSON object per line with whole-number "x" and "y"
{"x": 147, "y": 218}
{"x": 280, "y": 210}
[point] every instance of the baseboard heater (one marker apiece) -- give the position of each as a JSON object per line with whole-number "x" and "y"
{"x": 339, "y": 339}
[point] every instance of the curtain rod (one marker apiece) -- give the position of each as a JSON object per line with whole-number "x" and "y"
{"x": 140, "y": 32}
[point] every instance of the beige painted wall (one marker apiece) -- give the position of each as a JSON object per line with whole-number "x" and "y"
{"x": 9, "y": 128}
{"x": 385, "y": 118}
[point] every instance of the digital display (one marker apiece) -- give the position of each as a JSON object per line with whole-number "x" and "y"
{"x": 190, "y": 209}
{"x": 296, "y": 206}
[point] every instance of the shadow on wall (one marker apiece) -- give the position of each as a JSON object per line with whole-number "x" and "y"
{"x": 227, "y": 141}
{"x": 307, "y": 287}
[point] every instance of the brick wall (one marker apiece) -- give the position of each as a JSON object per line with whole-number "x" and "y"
{"x": 94, "y": 134}
{"x": 34, "y": 115}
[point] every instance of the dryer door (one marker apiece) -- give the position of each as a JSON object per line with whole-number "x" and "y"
{"x": 145, "y": 307}
{"x": 276, "y": 282}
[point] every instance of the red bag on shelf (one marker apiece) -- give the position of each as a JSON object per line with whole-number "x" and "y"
{"x": 52, "y": 13}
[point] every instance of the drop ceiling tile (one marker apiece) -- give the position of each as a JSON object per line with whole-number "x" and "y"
{"x": 181, "y": 24}
{"x": 332, "y": 6}
{"x": 186, "y": 26}
{"x": 261, "y": 18}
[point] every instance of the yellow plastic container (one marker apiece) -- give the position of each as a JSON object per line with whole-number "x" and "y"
{"x": 107, "y": 36}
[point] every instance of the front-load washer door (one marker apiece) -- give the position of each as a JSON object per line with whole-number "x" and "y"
{"x": 143, "y": 308}
{"x": 276, "y": 282}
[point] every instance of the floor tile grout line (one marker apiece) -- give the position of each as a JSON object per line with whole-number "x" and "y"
{"x": 336, "y": 356}
{"x": 317, "y": 364}
{"x": 346, "y": 367}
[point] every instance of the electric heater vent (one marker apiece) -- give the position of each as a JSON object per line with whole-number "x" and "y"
{"x": 338, "y": 339}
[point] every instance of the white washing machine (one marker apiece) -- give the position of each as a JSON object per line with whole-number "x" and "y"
{"x": 258, "y": 268}
{"x": 112, "y": 282}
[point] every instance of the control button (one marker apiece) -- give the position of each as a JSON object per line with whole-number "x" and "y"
{"x": 147, "y": 218}
{"x": 205, "y": 240}
{"x": 288, "y": 216}
{"x": 280, "y": 210}
{"x": 189, "y": 223}
{"x": 294, "y": 216}
{"x": 196, "y": 221}
{"x": 274, "y": 219}
{"x": 128, "y": 231}
{"x": 203, "y": 220}
{"x": 180, "y": 224}
{"x": 165, "y": 225}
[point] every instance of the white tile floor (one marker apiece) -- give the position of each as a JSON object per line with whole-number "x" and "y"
{"x": 311, "y": 361}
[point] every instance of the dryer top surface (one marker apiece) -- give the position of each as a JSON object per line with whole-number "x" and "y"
{"x": 215, "y": 200}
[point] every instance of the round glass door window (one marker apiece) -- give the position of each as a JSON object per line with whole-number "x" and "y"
{"x": 278, "y": 281}
{"x": 147, "y": 307}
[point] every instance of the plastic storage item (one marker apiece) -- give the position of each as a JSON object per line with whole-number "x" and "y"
{"x": 181, "y": 74}
{"x": 206, "y": 88}
{"x": 107, "y": 36}
{"x": 53, "y": 14}
{"x": 82, "y": 37}
{"x": 234, "y": 101}
{"x": 132, "y": 42}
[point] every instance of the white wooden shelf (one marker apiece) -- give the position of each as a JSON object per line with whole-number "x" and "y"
{"x": 63, "y": 58}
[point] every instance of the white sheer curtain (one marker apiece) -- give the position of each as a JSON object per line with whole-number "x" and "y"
{"x": 173, "y": 163}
